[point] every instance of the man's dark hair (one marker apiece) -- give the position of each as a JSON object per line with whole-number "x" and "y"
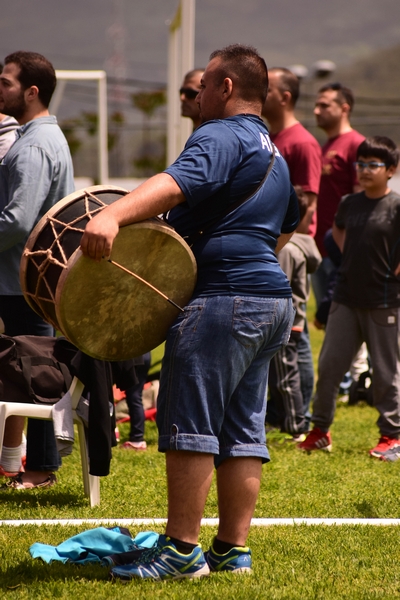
{"x": 246, "y": 68}
{"x": 192, "y": 73}
{"x": 345, "y": 95}
{"x": 302, "y": 200}
{"x": 382, "y": 147}
{"x": 36, "y": 70}
{"x": 288, "y": 82}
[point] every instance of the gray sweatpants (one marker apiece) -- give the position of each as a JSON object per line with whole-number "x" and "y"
{"x": 346, "y": 330}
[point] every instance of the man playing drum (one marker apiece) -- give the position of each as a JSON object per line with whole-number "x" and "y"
{"x": 211, "y": 406}
{"x": 35, "y": 173}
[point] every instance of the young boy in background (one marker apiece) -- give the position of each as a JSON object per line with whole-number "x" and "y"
{"x": 286, "y": 406}
{"x": 366, "y": 301}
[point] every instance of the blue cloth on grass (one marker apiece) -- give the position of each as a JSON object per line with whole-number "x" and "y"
{"x": 93, "y": 545}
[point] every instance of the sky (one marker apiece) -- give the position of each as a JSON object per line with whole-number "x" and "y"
{"x": 132, "y": 35}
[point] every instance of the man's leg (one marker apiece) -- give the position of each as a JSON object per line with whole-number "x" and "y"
{"x": 343, "y": 338}
{"x": 13, "y": 431}
{"x": 285, "y": 386}
{"x": 382, "y": 331}
{"x": 238, "y": 484}
{"x": 134, "y": 401}
{"x": 42, "y": 455}
{"x": 306, "y": 370}
{"x": 189, "y": 476}
{"x": 177, "y": 554}
{"x": 205, "y": 393}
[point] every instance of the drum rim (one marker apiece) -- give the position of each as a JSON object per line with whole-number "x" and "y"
{"x": 58, "y": 206}
{"x": 55, "y": 209}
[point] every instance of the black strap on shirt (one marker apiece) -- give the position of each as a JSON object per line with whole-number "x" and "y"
{"x": 194, "y": 237}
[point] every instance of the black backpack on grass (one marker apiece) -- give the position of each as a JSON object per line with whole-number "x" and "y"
{"x": 361, "y": 390}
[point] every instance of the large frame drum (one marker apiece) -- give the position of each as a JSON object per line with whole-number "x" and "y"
{"x": 108, "y": 313}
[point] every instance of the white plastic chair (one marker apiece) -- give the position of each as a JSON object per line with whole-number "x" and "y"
{"x": 91, "y": 483}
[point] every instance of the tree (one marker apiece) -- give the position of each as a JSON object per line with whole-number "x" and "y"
{"x": 152, "y": 155}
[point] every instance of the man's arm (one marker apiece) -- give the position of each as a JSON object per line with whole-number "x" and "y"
{"x": 282, "y": 241}
{"x": 29, "y": 179}
{"x": 155, "y": 196}
{"x": 339, "y": 235}
{"x": 311, "y": 208}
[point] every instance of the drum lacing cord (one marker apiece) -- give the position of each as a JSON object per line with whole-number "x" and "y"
{"x": 146, "y": 283}
{"x": 49, "y": 259}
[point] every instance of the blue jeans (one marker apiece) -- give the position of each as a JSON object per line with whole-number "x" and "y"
{"x": 214, "y": 375}
{"x": 306, "y": 370}
{"x": 20, "y": 319}
{"x": 135, "y": 402}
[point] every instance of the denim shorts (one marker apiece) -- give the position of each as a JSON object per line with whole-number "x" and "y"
{"x": 212, "y": 396}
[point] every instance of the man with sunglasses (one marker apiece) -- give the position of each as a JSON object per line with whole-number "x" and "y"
{"x": 188, "y": 93}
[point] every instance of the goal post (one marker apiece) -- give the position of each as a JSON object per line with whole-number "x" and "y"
{"x": 100, "y": 76}
{"x": 180, "y": 61}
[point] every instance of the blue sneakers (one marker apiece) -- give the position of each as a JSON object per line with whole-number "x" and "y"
{"x": 237, "y": 560}
{"x": 164, "y": 562}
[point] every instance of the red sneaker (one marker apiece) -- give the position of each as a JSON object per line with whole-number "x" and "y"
{"x": 316, "y": 440}
{"x": 385, "y": 443}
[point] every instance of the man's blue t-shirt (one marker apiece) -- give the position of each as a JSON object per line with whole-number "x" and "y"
{"x": 222, "y": 161}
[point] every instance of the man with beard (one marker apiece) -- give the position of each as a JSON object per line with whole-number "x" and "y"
{"x": 36, "y": 173}
{"x": 303, "y": 156}
{"x": 297, "y": 146}
{"x": 338, "y": 177}
{"x": 8, "y": 125}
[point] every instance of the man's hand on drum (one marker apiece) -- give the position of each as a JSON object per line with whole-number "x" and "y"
{"x": 99, "y": 235}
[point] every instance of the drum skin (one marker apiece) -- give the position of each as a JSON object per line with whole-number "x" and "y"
{"x": 107, "y": 313}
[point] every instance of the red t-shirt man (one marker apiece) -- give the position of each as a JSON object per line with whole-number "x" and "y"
{"x": 338, "y": 178}
{"x": 303, "y": 155}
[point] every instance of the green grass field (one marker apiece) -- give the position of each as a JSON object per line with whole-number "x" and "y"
{"x": 290, "y": 562}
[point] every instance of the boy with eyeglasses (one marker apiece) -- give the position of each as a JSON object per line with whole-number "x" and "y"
{"x": 366, "y": 301}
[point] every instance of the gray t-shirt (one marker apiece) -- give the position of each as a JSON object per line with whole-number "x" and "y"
{"x": 371, "y": 251}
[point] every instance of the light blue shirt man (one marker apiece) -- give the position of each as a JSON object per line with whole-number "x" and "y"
{"x": 36, "y": 173}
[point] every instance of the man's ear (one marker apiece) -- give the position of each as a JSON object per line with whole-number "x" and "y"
{"x": 391, "y": 171}
{"x": 228, "y": 87}
{"x": 31, "y": 93}
{"x": 286, "y": 98}
{"x": 346, "y": 108}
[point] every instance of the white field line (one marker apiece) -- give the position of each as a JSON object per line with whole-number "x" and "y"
{"x": 213, "y": 522}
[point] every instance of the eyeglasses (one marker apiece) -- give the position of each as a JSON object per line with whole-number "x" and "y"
{"x": 372, "y": 167}
{"x": 190, "y": 93}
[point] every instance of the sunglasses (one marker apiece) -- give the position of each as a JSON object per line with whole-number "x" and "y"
{"x": 190, "y": 93}
{"x": 372, "y": 167}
